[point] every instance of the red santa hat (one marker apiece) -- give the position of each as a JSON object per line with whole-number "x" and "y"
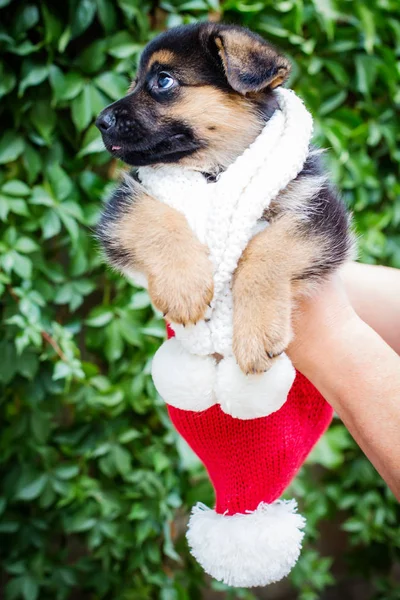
{"x": 251, "y": 538}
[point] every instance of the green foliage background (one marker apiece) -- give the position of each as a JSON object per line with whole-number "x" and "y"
{"x": 94, "y": 486}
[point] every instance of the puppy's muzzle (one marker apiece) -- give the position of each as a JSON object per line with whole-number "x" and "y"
{"x": 117, "y": 123}
{"x": 106, "y": 121}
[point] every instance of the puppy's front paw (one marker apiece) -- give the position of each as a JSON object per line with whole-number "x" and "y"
{"x": 183, "y": 296}
{"x": 261, "y": 333}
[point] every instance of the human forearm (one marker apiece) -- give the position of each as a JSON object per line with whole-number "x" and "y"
{"x": 374, "y": 292}
{"x": 357, "y": 373}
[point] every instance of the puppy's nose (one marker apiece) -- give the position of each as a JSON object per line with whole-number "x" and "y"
{"x": 106, "y": 121}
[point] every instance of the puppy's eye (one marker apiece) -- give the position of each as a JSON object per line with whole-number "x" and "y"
{"x": 165, "y": 81}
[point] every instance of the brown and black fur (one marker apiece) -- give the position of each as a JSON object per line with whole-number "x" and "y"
{"x": 222, "y": 93}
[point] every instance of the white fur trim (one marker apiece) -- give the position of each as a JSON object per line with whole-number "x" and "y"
{"x": 194, "y": 382}
{"x": 251, "y": 396}
{"x": 182, "y": 379}
{"x": 247, "y": 550}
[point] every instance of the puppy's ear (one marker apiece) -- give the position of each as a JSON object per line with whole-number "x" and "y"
{"x": 250, "y": 63}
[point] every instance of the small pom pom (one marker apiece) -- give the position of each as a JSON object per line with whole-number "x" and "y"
{"x": 184, "y": 380}
{"x": 252, "y": 396}
{"x": 247, "y": 550}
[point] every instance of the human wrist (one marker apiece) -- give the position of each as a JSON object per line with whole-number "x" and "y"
{"x": 323, "y": 337}
{"x": 336, "y": 343}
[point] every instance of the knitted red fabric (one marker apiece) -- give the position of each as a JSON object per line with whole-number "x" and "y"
{"x": 253, "y": 461}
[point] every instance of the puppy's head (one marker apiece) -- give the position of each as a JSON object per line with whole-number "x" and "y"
{"x": 202, "y": 94}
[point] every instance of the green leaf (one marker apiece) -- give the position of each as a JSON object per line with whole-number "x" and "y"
{"x": 83, "y": 15}
{"x": 40, "y": 426}
{"x": 60, "y": 182}
{"x": 11, "y": 147}
{"x": 26, "y": 245}
{"x": 82, "y": 109}
{"x": 21, "y": 265}
{"x": 80, "y": 523}
{"x": 50, "y": 223}
{"x": 140, "y": 300}
{"x": 333, "y": 103}
{"x": 43, "y": 118}
{"x": 114, "y": 341}
{"x": 7, "y": 81}
{"x": 368, "y": 26}
{"x": 8, "y": 362}
{"x": 112, "y": 84}
{"x": 123, "y": 45}
{"x": 32, "y": 163}
{"x": 28, "y": 364}
{"x": 100, "y": 317}
{"x": 33, "y": 489}
{"x": 122, "y": 459}
{"x": 366, "y": 71}
{"x": 33, "y": 74}
{"x": 67, "y": 471}
{"x": 92, "y": 142}
{"x": 15, "y": 188}
{"x": 27, "y": 18}
{"x": 92, "y": 59}
{"x": 107, "y": 15}
{"x": 65, "y": 86}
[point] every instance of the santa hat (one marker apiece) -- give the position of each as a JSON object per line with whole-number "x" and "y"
{"x": 251, "y": 538}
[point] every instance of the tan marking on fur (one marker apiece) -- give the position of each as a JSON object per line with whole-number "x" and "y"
{"x": 166, "y": 250}
{"x": 164, "y": 57}
{"x": 263, "y": 294}
{"x": 234, "y": 118}
{"x": 278, "y": 79}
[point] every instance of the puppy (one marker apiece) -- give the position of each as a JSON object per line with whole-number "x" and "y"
{"x": 202, "y": 95}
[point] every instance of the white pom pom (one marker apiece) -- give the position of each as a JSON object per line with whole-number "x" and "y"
{"x": 247, "y": 550}
{"x": 182, "y": 379}
{"x": 252, "y": 396}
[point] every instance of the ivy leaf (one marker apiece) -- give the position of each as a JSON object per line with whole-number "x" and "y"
{"x": 107, "y": 15}
{"x": 51, "y": 224}
{"x": 112, "y": 84}
{"x": 83, "y": 15}
{"x": 122, "y": 459}
{"x": 60, "y": 182}
{"x": 11, "y": 147}
{"x": 99, "y": 317}
{"x": 122, "y": 45}
{"x": 15, "y": 187}
{"x": 67, "y": 471}
{"x": 26, "y": 245}
{"x": 7, "y": 81}
{"x": 32, "y": 75}
{"x": 32, "y": 489}
{"x": 82, "y": 109}
{"x": 22, "y": 265}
